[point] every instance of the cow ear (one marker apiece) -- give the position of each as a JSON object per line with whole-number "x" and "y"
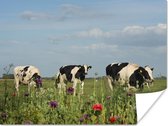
{"x": 152, "y": 69}
{"x": 90, "y": 67}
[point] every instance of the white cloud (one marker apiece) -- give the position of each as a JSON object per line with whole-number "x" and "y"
{"x": 11, "y": 42}
{"x": 30, "y": 15}
{"x": 94, "y": 33}
{"x": 137, "y": 30}
{"x": 67, "y": 12}
{"x": 134, "y": 30}
{"x": 70, "y": 9}
{"x": 134, "y": 35}
{"x": 95, "y": 47}
{"x": 158, "y": 29}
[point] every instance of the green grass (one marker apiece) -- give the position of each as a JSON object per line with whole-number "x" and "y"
{"x": 35, "y": 108}
{"x": 159, "y": 84}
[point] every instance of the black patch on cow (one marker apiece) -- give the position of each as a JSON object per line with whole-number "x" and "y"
{"x": 67, "y": 71}
{"x": 80, "y": 73}
{"x": 26, "y": 68}
{"x": 35, "y": 75}
{"x": 23, "y": 71}
{"x": 144, "y": 73}
{"x": 138, "y": 77}
{"x": 112, "y": 70}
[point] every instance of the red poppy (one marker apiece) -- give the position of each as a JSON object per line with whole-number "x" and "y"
{"x": 97, "y": 107}
{"x": 14, "y": 94}
{"x": 112, "y": 119}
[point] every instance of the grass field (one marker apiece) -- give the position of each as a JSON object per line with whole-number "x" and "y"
{"x": 33, "y": 108}
{"x": 159, "y": 84}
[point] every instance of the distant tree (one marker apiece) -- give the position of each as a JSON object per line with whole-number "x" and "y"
{"x": 163, "y": 77}
{"x": 7, "y": 74}
{"x": 8, "y": 68}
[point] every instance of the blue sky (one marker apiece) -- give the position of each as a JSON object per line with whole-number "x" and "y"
{"x": 52, "y": 33}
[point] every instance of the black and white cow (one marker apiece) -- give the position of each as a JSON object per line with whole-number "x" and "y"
{"x": 71, "y": 73}
{"x": 132, "y": 75}
{"x": 29, "y": 75}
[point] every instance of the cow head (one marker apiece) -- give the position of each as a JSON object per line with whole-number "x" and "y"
{"x": 150, "y": 72}
{"x": 38, "y": 80}
{"x": 144, "y": 74}
{"x": 86, "y": 68}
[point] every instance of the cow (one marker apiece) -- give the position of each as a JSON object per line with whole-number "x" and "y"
{"x": 29, "y": 75}
{"x": 132, "y": 75}
{"x": 73, "y": 74}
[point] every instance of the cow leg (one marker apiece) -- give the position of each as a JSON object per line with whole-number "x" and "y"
{"x": 64, "y": 87}
{"x": 129, "y": 86}
{"x": 17, "y": 85}
{"x": 59, "y": 87}
{"x": 82, "y": 85}
{"x": 109, "y": 79}
{"x": 74, "y": 87}
{"x": 61, "y": 83}
{"x": 29, "y": 86}
{"x": 147, "y": 84}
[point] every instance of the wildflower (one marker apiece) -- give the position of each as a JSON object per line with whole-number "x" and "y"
{"x": 129, "y": 94}
{"x": 53, "y": 104}
{"x": 113, "y": 119}
{"x": 14, "y": 94}
{"x": 26, "y": 94}
{"x": 84, "y": 117}
{"x": 81, "y": 119}
{"x": 108, "y": 97}
{"x": 4, "y": 115}
{"x": 97, "y": 107}
{"x": 70, "y": 90}
{"x": 38, "y": 81}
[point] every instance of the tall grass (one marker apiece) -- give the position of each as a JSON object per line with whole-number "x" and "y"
{"x": 118, "y": 106}
{"x": 36, "y": 108}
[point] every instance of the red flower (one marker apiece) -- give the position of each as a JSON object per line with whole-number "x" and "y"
{"x": 112, "y": 119}
{"x": 14, "y": 94}
{"x": 97, "y": 107}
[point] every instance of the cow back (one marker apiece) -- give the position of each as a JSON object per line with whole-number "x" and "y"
{"x": 25, "y": 73}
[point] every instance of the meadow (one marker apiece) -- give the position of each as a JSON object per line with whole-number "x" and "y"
{"x": 98, "y": 104}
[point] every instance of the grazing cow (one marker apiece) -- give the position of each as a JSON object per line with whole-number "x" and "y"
{"x": 73, "y": 74}
{"x": 126, "y": 73}
{"x": 29, "y": 75}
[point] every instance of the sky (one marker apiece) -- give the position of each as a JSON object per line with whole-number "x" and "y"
{"x": 49, "y": 34}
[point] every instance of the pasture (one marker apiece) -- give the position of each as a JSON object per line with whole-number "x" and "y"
{"x": 46, "y": 106}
